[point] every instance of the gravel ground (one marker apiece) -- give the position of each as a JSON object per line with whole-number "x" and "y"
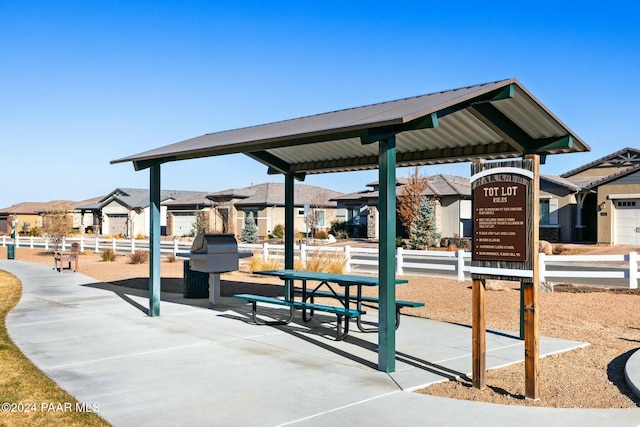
{"x": 590, "y": 377}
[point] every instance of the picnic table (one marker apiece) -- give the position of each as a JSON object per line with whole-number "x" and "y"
{"x": 308, "y": 294}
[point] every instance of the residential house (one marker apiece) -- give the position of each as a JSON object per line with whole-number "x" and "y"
{"x": 185, "y": 212}
{"x": 125, "y": 211}
{"x": 29, "y": 215}
{"x": 597, "y": 202}
{"x": 452, "y": 196}
{"x": 265, "y": 203}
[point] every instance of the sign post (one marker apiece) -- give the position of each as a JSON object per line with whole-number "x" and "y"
{"x": 505, "y": 247}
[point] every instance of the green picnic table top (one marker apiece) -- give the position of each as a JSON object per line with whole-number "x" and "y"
{"x": 345, "y": 279}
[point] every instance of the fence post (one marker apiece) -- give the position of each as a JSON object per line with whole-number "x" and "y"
{"x": 460, "y": 266}
{"x": 303, "y": 254}
{"x": 542, "y": 267}
{"x": 4, "y": 241}
{"x": 82, "y": 243}
{"x": 46, "y": 244}
{"x": 347, "y": 259}
{"x": 265, "y": 252}
{"x": 17, "y": 240}
{"x": 633, "y": 270}
{"x": 133, "y": 246}
{"x": 64, "y": 244}
{"x": 399, "y": 261}
{"x": 175, "y": 247}
{"x": 97, "y": 245}
{"x": 113, "y": 244}
{"x": 31, "y": 242}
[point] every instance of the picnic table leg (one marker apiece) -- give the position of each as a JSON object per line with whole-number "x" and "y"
{"x": 254, "y": 316}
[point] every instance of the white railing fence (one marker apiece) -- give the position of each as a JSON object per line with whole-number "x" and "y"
{"x": 358, "y": 259}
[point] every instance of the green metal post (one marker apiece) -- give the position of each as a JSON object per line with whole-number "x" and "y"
{"x": 289, "y": 232}
{"x": 387, "y": 258}
{"x": 154, "y": 241}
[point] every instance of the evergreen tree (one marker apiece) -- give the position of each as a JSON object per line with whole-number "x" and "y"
{"x": 250, "y": 231}
{"x": 423, "y": 232}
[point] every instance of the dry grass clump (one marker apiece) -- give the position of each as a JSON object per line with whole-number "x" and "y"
{"x": 108, "y": 255}
{"x": 139, "y": 257}
{"x": 257, "y": 263}
{"x": 323, "y": 262}
{"x": 33, "y": 398}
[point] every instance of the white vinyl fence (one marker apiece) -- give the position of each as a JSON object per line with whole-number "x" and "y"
{"x": 365, "y": 260}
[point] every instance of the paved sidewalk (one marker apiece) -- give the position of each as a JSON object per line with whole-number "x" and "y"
{"x": 194, "y": 366}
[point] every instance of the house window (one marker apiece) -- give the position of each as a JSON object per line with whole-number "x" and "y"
{"x": 320, "y": 218}
{"x": 548, "y": 211}
{"x": 353, "y": 216}
{"x": 300, "y": 213}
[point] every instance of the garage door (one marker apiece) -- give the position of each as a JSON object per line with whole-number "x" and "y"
{"x": 183, "y": 223}
{"x": 117, "y": 224}
{"x": 627, "y": 222}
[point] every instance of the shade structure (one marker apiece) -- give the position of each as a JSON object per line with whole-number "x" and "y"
{"x": 488, "y": 121}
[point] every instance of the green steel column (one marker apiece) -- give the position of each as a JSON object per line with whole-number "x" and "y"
{"x": 289, "y": 237}
{"x": 387, "y": 259}
{"x": 154, "y": 241}
{"x": 289, "y": 232}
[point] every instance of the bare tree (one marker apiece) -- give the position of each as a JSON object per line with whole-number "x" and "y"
{"x": 317, "y": 211}
{"x": 410, "y": 198}
{"x": 57, "y": 222}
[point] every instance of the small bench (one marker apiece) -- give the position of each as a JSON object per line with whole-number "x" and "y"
{"x": 340, "y": 312}
{"x": 71, "y": 256}
{"x": 399, "y": 303}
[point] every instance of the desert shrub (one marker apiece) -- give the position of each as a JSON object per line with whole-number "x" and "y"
{"x": 139, "y": 257}
{"x": 172, "y": 258}
{"x": 108, "y": 237}
{"x": 339, "y": 229}
{"x": 278, "y": 231}
{"x": 108, "y": 255}
{"x": 460, "y": 243}
{"x": 140, "y": 236}
{"x": 35, "y": 232}
{"x": 321, "y": 234}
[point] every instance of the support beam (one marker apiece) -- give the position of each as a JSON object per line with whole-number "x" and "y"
{"x": 289, "y": 231}
{"x": 479, "y": 334}
{"x": 154, "y": 241}
{"x": 531, "y": 290}
{"x": 276, "y": 165}
{"x": 502, "y": 125}
{"x": 386, "y": 261}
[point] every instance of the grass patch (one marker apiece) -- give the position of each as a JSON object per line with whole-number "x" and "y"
{"x": 22, "y": 383}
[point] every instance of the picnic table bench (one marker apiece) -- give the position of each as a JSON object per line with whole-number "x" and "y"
{"x": 308, "y": 304}
{"x": 340, "y": 312}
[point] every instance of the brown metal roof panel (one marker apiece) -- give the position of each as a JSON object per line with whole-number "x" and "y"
{"x": 387, "y": 113}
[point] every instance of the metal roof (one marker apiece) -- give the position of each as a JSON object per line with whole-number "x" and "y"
{"x": 492, "y": 120}
{"x": 272, "y": 194}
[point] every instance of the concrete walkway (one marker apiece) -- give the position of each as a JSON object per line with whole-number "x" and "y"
{"x": 199, "y": 367}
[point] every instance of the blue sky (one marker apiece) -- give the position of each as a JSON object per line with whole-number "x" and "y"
{"x": 86, "y": 82}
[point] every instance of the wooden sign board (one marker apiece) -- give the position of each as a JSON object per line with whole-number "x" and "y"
{"x": 502, "y": 232}
{"x": 505, "y": 247}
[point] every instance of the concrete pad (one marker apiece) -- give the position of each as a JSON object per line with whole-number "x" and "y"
{"x": 195, "y": 366}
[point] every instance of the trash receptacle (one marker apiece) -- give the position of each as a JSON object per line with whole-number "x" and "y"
{"x": 196, "y": 283}
{"x": 11, "y": 251}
